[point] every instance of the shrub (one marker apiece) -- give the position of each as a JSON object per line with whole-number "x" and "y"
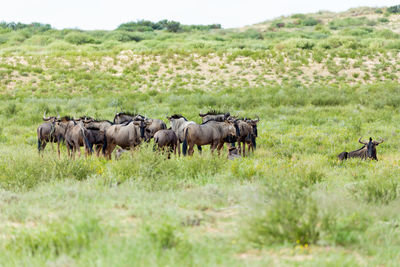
{"x": 293, "y": 219}
{"x": 79, "y": 38}
{"x": 309, "y": 22}
{"x": 393, "y": 9}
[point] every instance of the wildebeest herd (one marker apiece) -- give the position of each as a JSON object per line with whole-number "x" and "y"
{"x": 128, "y": 130}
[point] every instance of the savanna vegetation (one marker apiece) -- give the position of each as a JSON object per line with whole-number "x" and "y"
{"x": 317, "y": 81}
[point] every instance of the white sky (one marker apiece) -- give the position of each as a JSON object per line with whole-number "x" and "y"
{"x": 107, "y": 14}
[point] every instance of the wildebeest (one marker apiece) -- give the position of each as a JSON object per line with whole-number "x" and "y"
{"x": 367, "y": 151}
{"x": 212, "y": 133}
{"x": 251, "y": 139}
{"x": 99, "y": 128}
{"x": 167, "y": 139}
{"x": 246, "y": 135}
{"x": 122, "y": 117}
{"x": 178, "y": 125}
{"x": 45, "y": 132}
{"x": 214, "y": 115}
{"x": 75, "y": 137}
{"x": 233, "y": 153}
{"x": 127, "y": 136}
{"x": 153, "y": 126}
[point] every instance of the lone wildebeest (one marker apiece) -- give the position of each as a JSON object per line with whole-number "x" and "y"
{"x": 214, "y": 115}
{"x": 367, "y": 151}
{"x": 212, "y": 133}
{"x": 167, "y": 139}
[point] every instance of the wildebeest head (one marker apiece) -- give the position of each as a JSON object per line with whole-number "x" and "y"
{"x": 253, "y": 123}
{"x": 122, "y": 117}
{"x": 371, "y": 147}
{"x": 214, "y": 115}
{"x": 142, "y": 125}
{"x": 51, "y": 118}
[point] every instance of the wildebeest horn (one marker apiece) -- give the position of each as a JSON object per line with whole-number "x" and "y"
{"x": 44, "y": 116}
{"x": 202, "y": 115}
{"x": 258, "y": 119}
{"x": 379, "y": 142}
{"x": 361, "y": 142}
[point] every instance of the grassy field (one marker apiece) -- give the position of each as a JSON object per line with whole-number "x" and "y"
{"x": 317, "y": 81}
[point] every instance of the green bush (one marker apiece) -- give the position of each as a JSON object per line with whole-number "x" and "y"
{"x": 79, "y": 38}
{"x": 393, "y": 9}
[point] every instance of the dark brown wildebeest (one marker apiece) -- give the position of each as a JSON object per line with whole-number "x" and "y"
{"x": 251, "y": 139}
{"x": 167, "y": 139}
{"x": 45, "y": 132}
{"x": 127, "y": 136}
{"x": 212, "y": 133}
{"x": 99, "y": 128}
{"x": 122, "y": 117}
{"x": 367, "y": 151}
{"x": 246, "y": 134}
{"x": 214, "y": 115}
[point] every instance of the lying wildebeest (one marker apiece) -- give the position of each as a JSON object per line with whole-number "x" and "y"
{"x": 214, "y": 115}
{"x": 178, "y": 125}
{"x": 75, "y": 136}
{"x": 45, "y": 132}
{"x": 212, "y": 133}
{"x": 367, "y": 151}
{"x": 122, "y": 117}
{"x": 233, "y": 153}
{"x": 127, "y": 136}
{"x": 166, "y": 139}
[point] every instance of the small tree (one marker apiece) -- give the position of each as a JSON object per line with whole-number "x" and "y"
{"x": 173, "y": 26}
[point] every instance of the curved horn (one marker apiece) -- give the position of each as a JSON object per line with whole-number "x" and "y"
{"x": 44, "y": 116}
{"x": 379, "y": 142}
{"x": 258, "y": 119}
{"x": 202, "y": 115}
{"x": 361, "y": 142}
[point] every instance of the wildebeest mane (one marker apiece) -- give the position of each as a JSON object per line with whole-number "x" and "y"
{"x": 129, "y": 114}
{"x": 66, "y": 118}
{"x": 215, "y": 112}
{"x": 178, "y": 116}
{"x": 101, "y": 120}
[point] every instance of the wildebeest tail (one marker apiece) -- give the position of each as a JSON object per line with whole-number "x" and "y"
{"x": 253, "y": 141}
{"x": 155, "y": 143}
{"x": 104, "y": 145}
{"x": 185, "y": 144}
{"x": 343, "y": 155}
{"x": 87, "y": 143}
{"x": 39, "y": 142}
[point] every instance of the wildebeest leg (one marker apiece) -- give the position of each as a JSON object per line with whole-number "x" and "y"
{"x": 98, "y": 149}
{"x": 240, "y": 148}
{"x": 199, "y": 148}
{"x": 191, "y": 149}
{"x": 219, "y": 147}
{"x": 179, "y": 149}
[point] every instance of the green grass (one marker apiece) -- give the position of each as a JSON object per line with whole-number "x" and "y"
{"x": 316, "y": 89}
